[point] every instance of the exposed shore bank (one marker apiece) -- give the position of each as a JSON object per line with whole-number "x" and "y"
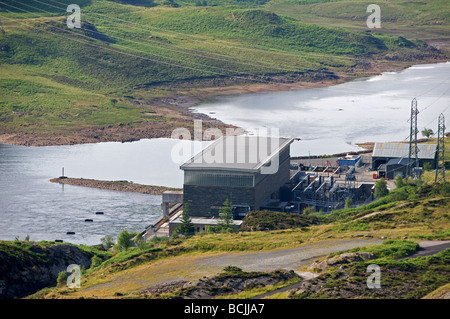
{"x": 122, "y": 186}
{"x": 175, "y": 110}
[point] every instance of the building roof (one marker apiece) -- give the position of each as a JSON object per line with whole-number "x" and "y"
{"x": 398, "y": 161}
{"x": 401, "y": 150}
{"x": 238, "y": 154}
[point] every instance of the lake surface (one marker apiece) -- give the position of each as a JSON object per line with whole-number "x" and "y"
{"x": 333, "y": 119}
{"x": 31, "y": 205}
{"x": 328, "y": 120}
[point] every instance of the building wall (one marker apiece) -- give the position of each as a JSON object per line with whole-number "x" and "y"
{"x": 432, "y": 163}
{"x": 377, "y": 161}
{"x": 200, "y": 198}
{"x": 200, "y": 195}
{"x": 393, "y": 170}
{"x": 271, "y": 183}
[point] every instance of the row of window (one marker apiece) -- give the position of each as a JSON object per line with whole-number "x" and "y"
{"x": 195, "y": 178}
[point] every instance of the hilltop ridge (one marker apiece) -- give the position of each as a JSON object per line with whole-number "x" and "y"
{"x": 134, "y": 67}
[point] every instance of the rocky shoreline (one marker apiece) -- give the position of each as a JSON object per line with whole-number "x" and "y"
{"x": 122, "y": 186}
{"x": 175, "y": 109}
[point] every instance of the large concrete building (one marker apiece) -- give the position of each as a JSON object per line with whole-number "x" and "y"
{"x": 246, "y": 170}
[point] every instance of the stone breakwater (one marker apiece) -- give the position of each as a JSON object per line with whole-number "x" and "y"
{"x": 122, "y": 186}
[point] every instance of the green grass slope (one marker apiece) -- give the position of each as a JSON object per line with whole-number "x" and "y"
{"x": 417, "y": 213}
{"x": 414, "y": 19}
{"x": 409, "y": 278}
{"x": 54, "y": 79}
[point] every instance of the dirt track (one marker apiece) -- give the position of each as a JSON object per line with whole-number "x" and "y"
{"x": 195, "y": 266}
{"x": 291, "y": 258}
{"x": 428, "y": 248}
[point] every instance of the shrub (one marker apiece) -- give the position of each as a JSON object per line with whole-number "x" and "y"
{"x": 62, "y": 278}
{"x": 96, "y": 261}
{"x": 348, "y": 202}
{"x": 232, "y": 269}
{"x": 380, "y": 188}
{"x": 399, "y": 181}
{"x": 309, "y": 210}
{"x": 390, "y": 249}
{"x": 186, "y": 227}
{"x": 124, "y": 240}
{"x": 226, "y": 217}
{"x": 269, "y": 220}
{"x": 107, "y": 242}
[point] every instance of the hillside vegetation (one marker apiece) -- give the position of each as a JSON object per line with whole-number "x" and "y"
{"x": 416, "y": 18}
{"x": 56, "y": 81}
{"x": 27, "y": 266}
{"x": 409, "y": 278}
{"x": 414, "y": 213}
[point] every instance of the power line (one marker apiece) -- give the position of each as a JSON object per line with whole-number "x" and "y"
{"x": 208, "y": 66}
{"x": 146, "y": 58}
{"x": 106, "y": 48}
{"x": 229, "y": 44}
{"x": 176, "y": 48}
{"x": 165, "y": 48}
{"x": 432, "y": 104}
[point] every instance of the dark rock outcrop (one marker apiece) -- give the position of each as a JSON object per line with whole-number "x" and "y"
{"x": 26, "y": 268}
{"x": 232, "y": 283}
{"x": 341, "y": 259}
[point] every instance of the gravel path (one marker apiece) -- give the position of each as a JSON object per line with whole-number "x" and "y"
{"x": 195, "y": 266}
{"x": 428, "y": 248}
{"x": 291, "y": 258}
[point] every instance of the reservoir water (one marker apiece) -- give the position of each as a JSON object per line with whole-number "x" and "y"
{"x": 333, "y": 119}
{"x": 328, "y": 120}
{"x": 31, "y": 205}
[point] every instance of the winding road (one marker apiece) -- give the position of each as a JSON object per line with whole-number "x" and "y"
{"x": 428, "y": 248}
{"x": 197, "y": 265}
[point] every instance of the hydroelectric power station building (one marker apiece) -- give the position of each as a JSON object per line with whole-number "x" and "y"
{"x": 246, "y": 170}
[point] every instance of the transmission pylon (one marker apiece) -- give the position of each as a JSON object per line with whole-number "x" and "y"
{"x": 413, "y": 149}
{"x": 440, "y": 157}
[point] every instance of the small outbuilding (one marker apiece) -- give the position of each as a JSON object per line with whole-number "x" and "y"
{"x": 349, "y": 160}
{"x": 394, "y": 167}
{"x": 384, "y": 152}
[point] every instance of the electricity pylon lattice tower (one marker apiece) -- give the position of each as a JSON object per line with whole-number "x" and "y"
{"x": 413, "y": 149}
{"x": 440, "y": 157}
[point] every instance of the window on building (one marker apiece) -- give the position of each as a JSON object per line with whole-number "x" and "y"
{"x": 195, "y": 178}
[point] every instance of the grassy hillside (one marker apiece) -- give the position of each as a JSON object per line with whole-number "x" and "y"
{"x": 416, "y": 213}
{"x": 57, "y": 80}
{"x": 27, "y": 266}
{"x": 410, "y": 278}
{"x": 413, "y": 19}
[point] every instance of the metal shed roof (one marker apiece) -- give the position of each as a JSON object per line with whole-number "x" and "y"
{"x": 238, "y": 153}
{"x": 398, "y": 150}
{"x": 399, "y": 161}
